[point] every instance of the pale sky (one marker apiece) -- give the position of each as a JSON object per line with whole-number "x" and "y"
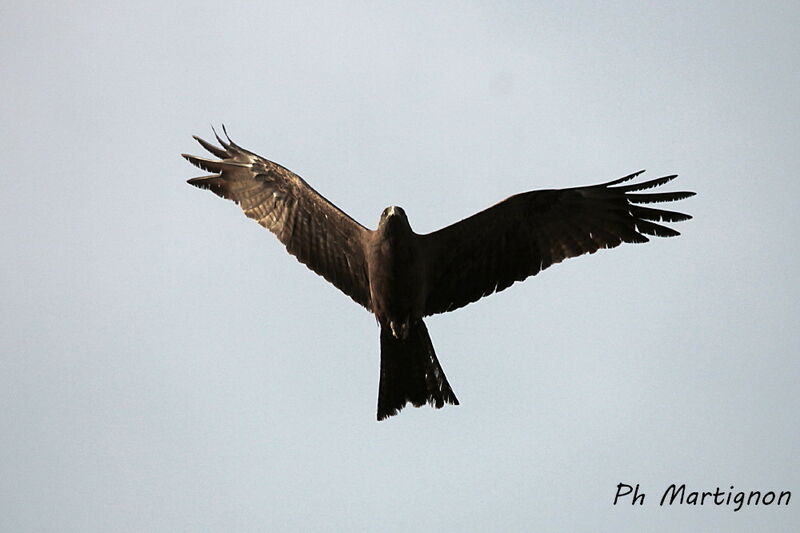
{"x": 167, "y": 366}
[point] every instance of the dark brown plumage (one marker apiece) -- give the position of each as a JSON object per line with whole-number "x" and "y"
{"x": 402, "y": 276}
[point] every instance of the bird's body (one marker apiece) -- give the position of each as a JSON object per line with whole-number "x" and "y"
{"x": 396, "y": 273}
{"x": 401, "y": 276}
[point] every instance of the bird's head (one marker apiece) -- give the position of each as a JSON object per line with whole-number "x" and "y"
{"x": 393, "y": 212}
{"x": 393, "y": 219}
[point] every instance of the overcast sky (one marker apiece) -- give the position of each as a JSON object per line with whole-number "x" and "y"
{"x": 167, "y": 366}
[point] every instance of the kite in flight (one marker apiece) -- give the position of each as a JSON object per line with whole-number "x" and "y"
{"x": 401, "y": 276}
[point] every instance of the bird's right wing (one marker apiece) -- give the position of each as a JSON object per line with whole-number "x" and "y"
{"x": 314, "y": 230}
{"x": 528, "y": 232}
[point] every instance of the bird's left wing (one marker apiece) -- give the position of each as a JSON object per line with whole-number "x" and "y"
{"x": 314, "y": 230}
{"x": 528, "y": 232}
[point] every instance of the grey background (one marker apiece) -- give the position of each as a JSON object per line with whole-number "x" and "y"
{"x": 166, "y": 366}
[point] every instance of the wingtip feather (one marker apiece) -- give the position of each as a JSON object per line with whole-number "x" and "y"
{"x": 624, "y": 178}
{"x": 210, "y": 165}
{"x": 219, "y": 139}
{"x": 219, "y": 152}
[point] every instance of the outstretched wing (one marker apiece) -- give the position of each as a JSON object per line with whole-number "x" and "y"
{"x": 314, "y": 230}
{"x": 528, "y": 232}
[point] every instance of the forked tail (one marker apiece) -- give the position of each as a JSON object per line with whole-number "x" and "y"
{"x": 410, "y": 372}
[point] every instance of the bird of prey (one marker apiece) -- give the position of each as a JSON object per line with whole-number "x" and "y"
{"x": 401, "y": 276}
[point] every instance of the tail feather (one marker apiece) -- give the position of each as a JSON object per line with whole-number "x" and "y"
{"x": 410, "y": 372}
